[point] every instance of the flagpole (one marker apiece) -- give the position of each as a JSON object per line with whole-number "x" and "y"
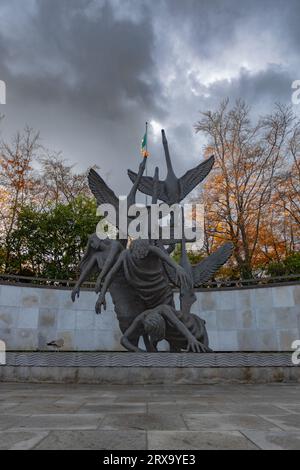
{"x": 146, "y": 197}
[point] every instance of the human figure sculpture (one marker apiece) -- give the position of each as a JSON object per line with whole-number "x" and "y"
{"x": 143, "y": 270}
{"x": 141, "y": 277}
{"x": 126, "y": 302}
{"x": 182, "y": 329}
{"x": 160, "y": 323}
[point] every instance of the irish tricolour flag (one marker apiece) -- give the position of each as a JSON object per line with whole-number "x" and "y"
{"x": 144, "y": 151}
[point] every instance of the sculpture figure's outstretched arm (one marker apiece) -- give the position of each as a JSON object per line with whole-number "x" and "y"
{"x": 114, "y": 250}
{"x": 84, "y": 275}
{"x": 136, "y": 328}
{"x": 108, "y": 280}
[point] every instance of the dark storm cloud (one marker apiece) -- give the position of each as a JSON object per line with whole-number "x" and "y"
{"x": 99, "y": 63}
{"x": 261, "y": 89}
{"x": 88, "y": 73}
{"x": 83, "y": 75}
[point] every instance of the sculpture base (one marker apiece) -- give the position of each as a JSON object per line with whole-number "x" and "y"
{"x": 148, "y": 368}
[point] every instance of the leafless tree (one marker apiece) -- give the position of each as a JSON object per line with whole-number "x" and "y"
{"x": 59, "y": 181}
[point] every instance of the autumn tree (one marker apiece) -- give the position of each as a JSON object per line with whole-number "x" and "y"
{"x": 16, "y": 182}
{"x": 32, "y": 177}
{"x": 249, "y": 160}
{"x": 288, "y": 190}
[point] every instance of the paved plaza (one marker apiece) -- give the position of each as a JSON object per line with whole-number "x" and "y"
{"x": 35, "y": 416}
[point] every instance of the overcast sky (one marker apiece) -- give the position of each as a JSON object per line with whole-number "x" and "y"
{"x": 89, "y": 73}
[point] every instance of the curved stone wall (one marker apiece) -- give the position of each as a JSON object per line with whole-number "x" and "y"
{"x": 256, "y": 319}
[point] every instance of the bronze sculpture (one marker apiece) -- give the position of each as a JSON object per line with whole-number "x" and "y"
{"x": 140, "y": 277}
